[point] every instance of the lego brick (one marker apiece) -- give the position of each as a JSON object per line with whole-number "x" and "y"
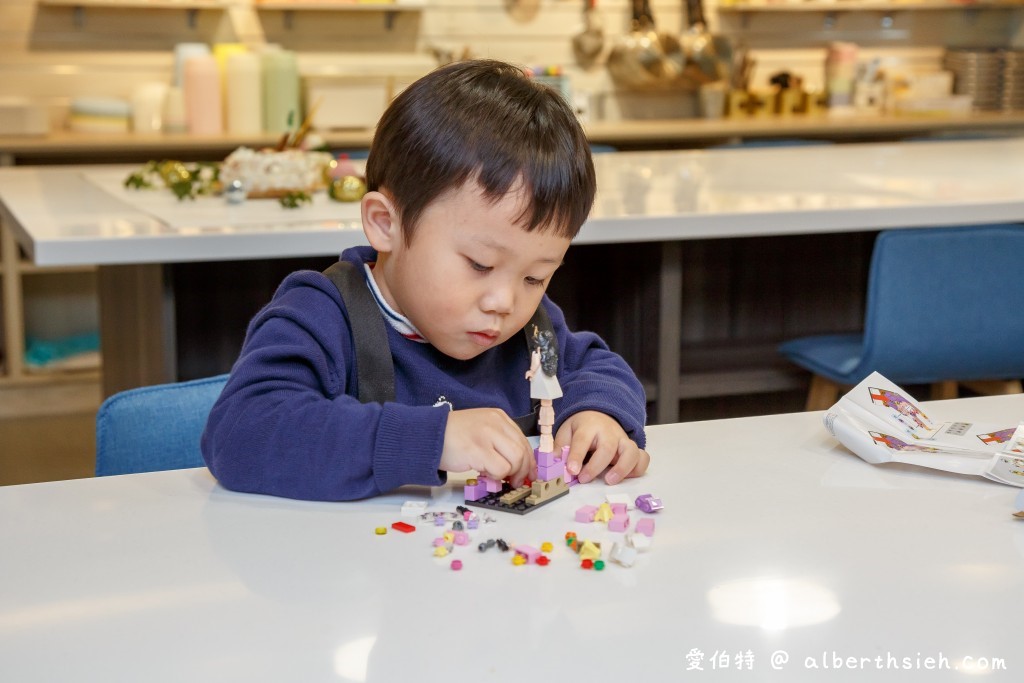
{"x": 621, "y": 554}
{"x": 604, "y": 513}
{"x": 618, "y": 509}
{"x": 527, "y": 551}
{"x": 475, "y": 490}
{"x": 491, "y": 502}
{"x": 586, "y": 514}
{"x": 492, "y": 485}
{"x": 545, "y": 490}
{"x": 618, "y": 522}
{"x": 649, "y": 503}
{"x": 638, "y": 541}
{"x": 614, "y": 499}
{"x": 414, "y": 508}
{"x": 403, "y": 527}
{"x": 544, "y": 458}
{"x": 547, "y": 473}
{"x": 461, "y": 538}
{"x": 645, "y": 526}
{"x": 590, "y": 550}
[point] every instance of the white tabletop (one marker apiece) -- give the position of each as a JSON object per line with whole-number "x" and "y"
{"x": 61, "y": 218}
{"x": 774, "y": 539}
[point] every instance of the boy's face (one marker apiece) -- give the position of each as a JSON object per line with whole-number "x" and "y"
{"x": 471, "y": 277}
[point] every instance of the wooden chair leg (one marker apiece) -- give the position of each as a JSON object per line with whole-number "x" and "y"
{"x": 823, "y": 393}
{"x": 942, "y": 390}
{"x": 995, "y": 387}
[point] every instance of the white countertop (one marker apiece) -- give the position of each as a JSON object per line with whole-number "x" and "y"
{"x": 774, "y": 539}
{"x": 60, "y": 218}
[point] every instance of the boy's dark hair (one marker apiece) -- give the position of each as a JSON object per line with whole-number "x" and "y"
{"x": 489, "y": 121}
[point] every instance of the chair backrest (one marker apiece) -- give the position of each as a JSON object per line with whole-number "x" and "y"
{"x": 946, "y": 303}
{"x": 154, "y": 428}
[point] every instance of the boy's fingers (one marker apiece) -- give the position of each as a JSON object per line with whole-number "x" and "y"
{"x": 627, "y": 458}
{"x": 599, "y": 459}
{"x": 579, "y": 446}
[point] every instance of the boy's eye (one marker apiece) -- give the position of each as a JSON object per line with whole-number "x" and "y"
{"x": 536, "y": 282}
{"x": 478, "y": 267}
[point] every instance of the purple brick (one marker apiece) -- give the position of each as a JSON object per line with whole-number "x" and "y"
{"x": 475, "y": 492}
{"x": 472, "y": 523}
{"x": 492, "y": 485}
{"x": 544, "y": 459}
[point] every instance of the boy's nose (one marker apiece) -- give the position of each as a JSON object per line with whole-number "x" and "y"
{"x": 499, "y": 300}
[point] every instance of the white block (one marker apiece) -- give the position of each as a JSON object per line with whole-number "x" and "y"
{"x": 638, "y": 541}
{"x": 623, "y": 555}
{"x": 414, "y": 508}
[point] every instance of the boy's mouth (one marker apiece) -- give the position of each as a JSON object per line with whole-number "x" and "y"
{"x": 485, "y": 337}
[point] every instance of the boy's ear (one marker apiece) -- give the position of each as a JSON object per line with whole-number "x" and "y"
{"x": 380, "y": 221}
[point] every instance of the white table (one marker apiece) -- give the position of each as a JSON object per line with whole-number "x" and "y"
{"x": 666, "y": 197}
{"x": 773, "y": 539}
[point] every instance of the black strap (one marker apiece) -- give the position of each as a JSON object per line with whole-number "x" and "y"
{"x": 375, "y": 369}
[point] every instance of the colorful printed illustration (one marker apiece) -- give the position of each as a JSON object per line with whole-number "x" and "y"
{"x": 1002, "y": 436}
{"x": 897, "y": 445}
{"x": 1015, "y": 465}
{"x": 906, "y": 412}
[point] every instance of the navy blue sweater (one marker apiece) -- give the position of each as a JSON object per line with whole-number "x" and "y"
{"x": 287, "y": 422}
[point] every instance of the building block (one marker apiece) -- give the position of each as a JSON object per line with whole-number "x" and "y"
{"x": 618, "y": 508}
{"x": 590, "y": 550}
{"x": 546, "y": 547}
{"x": 586, "y": 514}
{"x": 649, "y": 503}
{"x": 619, "y": 498}
{"x": 472, "y": 523}
{"x": 547, "y": 473}
{"x": 380, "y": 531}
{"x": 618, "y": 522}
{"x": 529, "y": 552}
{"x": 645, "y": 526}
{"x": 492, "y": 485}
{"x": 474, "y": 489}
{"x": 598, "y": 565}
{"x": 456, "y": 565}
{"x": 545, "y": 458}
{"x": 541, "y": 491}
{"x": 543, "y": 560}
{"x": 638, "y": 541}
{"x": 604, "y": 513}
{"x": 518, "y": 560}
{"x": 440, "y": 551}
{"x": 515, "y": 495}
{"x": 492, "y": 501}
{"x": 414, "y": 508}
{"x": 624, "y": 555}
{"x": 461, "y": 538}
{"x": 403, "y": 527}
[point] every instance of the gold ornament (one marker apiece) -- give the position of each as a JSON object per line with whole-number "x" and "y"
{"x": 348, "y": 188}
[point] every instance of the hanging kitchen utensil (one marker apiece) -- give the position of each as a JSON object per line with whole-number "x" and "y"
{"x": 703, "y": 63}
{"x": 637, "y": 61}
{"x": 588, "y": 44}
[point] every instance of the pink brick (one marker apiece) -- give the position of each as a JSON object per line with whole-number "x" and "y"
{"x": 586, "y": 514}
{"x": 645, "y": 526}
{"x": 551, "y": 472}
{"x": 461, "y": 538}
{"x": 618, "y": 509}
{"x": 544, "y": 459}
{"x": 492, "y": 485}
{"x": 618, "y": 522}
{"x": 529, "y": 552}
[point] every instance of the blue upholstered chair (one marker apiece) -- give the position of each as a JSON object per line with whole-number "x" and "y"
{"x": 944, "y": 306}
{"x": 154, "y": 428}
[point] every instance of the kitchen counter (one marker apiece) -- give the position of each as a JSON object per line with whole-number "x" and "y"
{"x": 66, "y": 146}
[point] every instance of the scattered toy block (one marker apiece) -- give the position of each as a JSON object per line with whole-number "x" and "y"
{"x": 649, "y": 503}
{"x": 403, "y": 527}
{"x": 492, "y": 501}
{"x": 638, "y": 541}
{"x": 586, "y": 514}
{"x": 645, "y": 526}
{"x": 414, "y": 508}
{"x": 529, "y": 552}
{"x": 543, "y": 560}
{"x": 380, "y": 531}
{"x": 518, "y": 560}
{"x": 440, "y": 551}
{"x": 614, "y": 499}
{"x": 623, "y": 555}
{"x": 618, "y": 509}
{"x": 546, "y": 547}
{"x": 548, "y": 472}
{"x": 461, "y": 538}
{"x": 604, "y": 513}
{"x": 456, "y": 565}
{"x": 590, "y": 550}
{"x": 618, "y": 522}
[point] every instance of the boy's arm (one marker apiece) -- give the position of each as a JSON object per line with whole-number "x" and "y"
{"x": 284, "y": 425}
{"x": 595, "y": 378}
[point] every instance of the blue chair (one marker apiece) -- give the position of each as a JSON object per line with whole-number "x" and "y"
{"x": 943, "y": 307}
{"x": 154, "y": 428}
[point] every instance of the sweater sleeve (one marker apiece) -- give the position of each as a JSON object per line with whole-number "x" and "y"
{"x": 284, "y": 424}
{"x": 593, "y": 377}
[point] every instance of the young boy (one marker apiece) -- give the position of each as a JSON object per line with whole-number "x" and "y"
{"x": 478, "y": 179}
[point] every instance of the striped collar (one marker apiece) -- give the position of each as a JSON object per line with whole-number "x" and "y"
{"x": 398, "y": 321}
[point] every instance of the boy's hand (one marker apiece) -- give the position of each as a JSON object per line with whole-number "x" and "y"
{"x": 488, "y": 441}
{"x": 592, "y": 432}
